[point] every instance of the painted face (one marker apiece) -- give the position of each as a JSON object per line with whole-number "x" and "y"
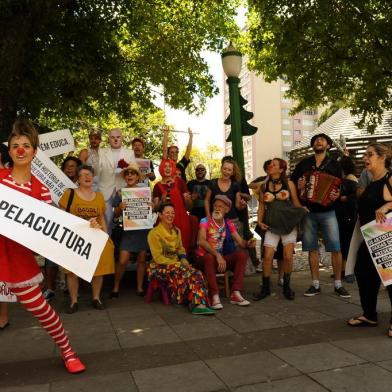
{"x": 131, "y": 178}
{"x": 173, "y": 153}
{"x": 138, "y": 149}
{"x": 227, "y": 170}
{"x": 115, "y": 139}
{"x": 21, "y": 151}
{"x": 85, "y": 178}
{"x": 167, "y": 215}
{"x": 372, "y": 160}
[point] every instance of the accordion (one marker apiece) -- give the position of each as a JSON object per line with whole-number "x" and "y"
{"x": 319, "y": 186}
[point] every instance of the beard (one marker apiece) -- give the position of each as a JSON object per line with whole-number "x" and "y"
{"x": 217, "y": 215}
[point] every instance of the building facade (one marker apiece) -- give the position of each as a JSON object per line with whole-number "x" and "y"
{"x": 278, "y": 132}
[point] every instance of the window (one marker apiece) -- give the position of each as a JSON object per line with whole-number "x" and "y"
{"x": 285, "y": 100}
{"x": 283, "y": 89}
{"x": 286, "y": 132}
{"x": 285, "y": 111}
{"x": 285, "y": 121}
{"x": 306, "y": 133}
{"x": 297, "y": 133}
{"x": 297, "y": 121}
{"x": 310, "y": 112}
{"x": 308, "y": 123}
{"x": 297, "y": 142}
{"x": 287, "y": 143}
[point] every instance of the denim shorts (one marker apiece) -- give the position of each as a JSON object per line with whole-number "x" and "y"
{"x": 327, "y": 224}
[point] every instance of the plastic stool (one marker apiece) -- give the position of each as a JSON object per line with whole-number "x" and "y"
{"x": 153, "y": 286}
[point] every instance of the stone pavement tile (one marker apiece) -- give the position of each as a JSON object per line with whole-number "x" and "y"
{"x": 316, "y": 357}
{"x": 120, "y": 382}
{"x": 202, "y": 327}
{"x": 92, "y": 325}
{"x": 128, "y": 311}
{"x": 360, "y": 378}
{"x": 187, "y": 377}
{"x": 27, "y": 388}
{"x": 85, "y": 341}
{"x": 49, "y": 370}
{"x": 250, "y": 368}
{"x": 386, "y": 365}
{"x": 252, "y": 322}
{"x": 138, "y": 322}
{"x": 341, "y": 311}
{"x": 221, "y": 346}
{"x": 159, "y": 355}
{"x": 148, "y": 336}
{"x": 25, "y": 344}
{"x": 296, "y": 314}
{"x": 299, "y": 383}
{"x": 372, "y": 349}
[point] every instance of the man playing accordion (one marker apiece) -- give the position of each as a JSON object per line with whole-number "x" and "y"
{"x": 318, "y": 180}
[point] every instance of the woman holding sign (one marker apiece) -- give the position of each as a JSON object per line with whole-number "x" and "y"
{"x": 18, "y": 267}
{"x": 132, "y": 241}
{"x": 87, "y": 204}
{"x": 374, "y": 203}
{"x": 171, "y": 268}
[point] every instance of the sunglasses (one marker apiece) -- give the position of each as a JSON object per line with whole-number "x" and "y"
{"x": 131, "y": 173}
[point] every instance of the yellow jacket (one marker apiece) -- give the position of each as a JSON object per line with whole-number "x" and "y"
{"x": 166, "y": 246}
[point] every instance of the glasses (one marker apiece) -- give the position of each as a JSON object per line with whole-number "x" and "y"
{"x": 369, "y": 154}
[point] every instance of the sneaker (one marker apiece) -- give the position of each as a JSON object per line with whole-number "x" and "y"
{"x": 259, "y": 267}
{"x": 217, "y": 306}
{"x": 203, "y": 311}
{"x": 312, "y": 291}
{"x": 349, "y": 278}
{"x": 73, "y": 364}
{"x": 48, "y": 294}
{"x": 342, "y": 292}
{"x": 237, "y": 299}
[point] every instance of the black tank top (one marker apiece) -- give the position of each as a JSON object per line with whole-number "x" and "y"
{"x": 371, "y": 200}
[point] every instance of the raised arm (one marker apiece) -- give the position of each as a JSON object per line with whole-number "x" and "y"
{"x": 165, "y": 142}
{"x": 189, "y": 146}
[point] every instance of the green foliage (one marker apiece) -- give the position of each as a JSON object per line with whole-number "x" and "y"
{"x": 210, "y": 158}
{"x": 73, "y": 59}
{"x": 329, "y": 51}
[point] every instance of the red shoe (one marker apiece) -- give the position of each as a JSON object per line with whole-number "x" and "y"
{"x": 73, "y": 364}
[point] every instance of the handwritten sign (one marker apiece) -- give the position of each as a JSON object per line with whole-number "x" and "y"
{"x": 50, "y": 175}
{"x": 57, "y": 235}
{"x": 57, "y": 142}
{"x": 378, "y": 238}
{"x": 137, "y": 214}
{"x": 5, "y": 294}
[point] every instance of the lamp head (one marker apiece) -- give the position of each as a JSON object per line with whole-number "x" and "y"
{"x": 231, "y": 61}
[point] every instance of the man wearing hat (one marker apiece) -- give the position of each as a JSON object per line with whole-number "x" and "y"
{"x": 217, "y": 252}
{"x": 321, "y": 218}
{"x": 198, "y": 189}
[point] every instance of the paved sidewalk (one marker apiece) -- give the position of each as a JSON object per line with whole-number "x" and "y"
{"x": 273, "y": 345}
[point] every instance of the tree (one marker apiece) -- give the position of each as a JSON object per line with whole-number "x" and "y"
{"x": 210, "y": 158}
{"x": 73, "y": 59}
{"x": 328, "y": 50}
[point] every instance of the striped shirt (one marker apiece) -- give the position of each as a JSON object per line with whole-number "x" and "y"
{"x": 26, "y": 189}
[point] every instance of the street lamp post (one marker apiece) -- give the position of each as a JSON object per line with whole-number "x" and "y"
{"x": 232, "y": 62}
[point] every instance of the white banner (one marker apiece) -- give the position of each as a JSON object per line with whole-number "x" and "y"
{"x": 55, "y": 234}
{"x": 50, "y": 175}
{"x": 5, "y": 294}
{"x": 57, "y": 142}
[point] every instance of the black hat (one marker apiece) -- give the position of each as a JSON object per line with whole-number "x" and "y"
{"x": 323, "y": 135}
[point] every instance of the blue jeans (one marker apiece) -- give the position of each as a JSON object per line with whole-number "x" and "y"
{"x": 325, "y": 222}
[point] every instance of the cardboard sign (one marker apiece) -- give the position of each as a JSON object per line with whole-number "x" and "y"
{"x": 50, "y": 175}
{"x": 55, "y": 234}
{"x": 137, "y": 214}
{"x": 145, "y": 168}
{"x": 378, "y": 238}
{"x": 5, "y": 294}
{"x": 57, "y": 142}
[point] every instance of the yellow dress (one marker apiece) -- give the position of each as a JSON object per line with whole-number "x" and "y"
{"x": 91, "y": 209}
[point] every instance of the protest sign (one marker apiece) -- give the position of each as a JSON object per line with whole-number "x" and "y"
{"x": 57, "y": 142}
{"x": 145, "y": 168}
{"x": 55, "y": 234}
{"x": 50, "y": 175}
{"x": 137, "y": 213}
{"x": 5, "y": 294}
{"x": 378, "y": 238}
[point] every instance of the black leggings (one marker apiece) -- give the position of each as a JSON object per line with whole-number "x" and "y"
{"x": 368, "y": 283}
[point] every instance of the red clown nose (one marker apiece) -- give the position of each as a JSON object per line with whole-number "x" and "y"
{"x": 20, "y": 150}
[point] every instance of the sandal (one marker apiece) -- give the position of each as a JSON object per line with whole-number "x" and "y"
{"x": 360, "y": 321}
